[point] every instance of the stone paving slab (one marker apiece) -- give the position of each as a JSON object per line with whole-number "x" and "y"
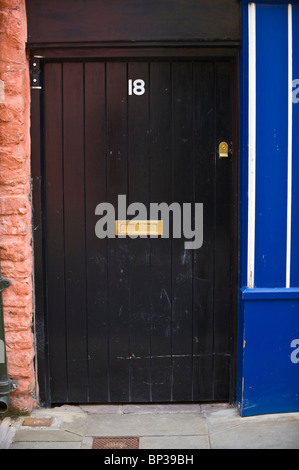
{"x": 137, "y": 425}
{"x": 68, "y": 426}
{"x": 6, "y": 433}
{"x": 172, "y": 408}
{"x": 102, "y": 409}
{"x": 227, "y": 430}
{"x": 215, "y": 426}
{"x": 45, "y": 445}
{"x": 174, "y": 442}
{"x": 37, "y": 435}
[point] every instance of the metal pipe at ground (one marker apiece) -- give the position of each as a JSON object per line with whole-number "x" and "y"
{"x": 5, "y": 382}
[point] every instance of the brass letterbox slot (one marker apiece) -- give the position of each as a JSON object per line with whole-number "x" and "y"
{"x": 138, "y": 227}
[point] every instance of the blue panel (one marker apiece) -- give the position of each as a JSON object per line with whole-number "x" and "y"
{"x": 266, "y": 293}
{"x": 243, "y": 205}
{"x": 295, "y": 178}
{"x": 272, "y": 138}
{"x": 270, "y": 357}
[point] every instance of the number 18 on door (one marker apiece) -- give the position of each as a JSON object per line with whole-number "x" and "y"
{"x": 136, "y": 87}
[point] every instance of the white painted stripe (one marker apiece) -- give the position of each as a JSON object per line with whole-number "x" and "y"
{"x": 251, "y": 142}
{"x": 290, "y": 140}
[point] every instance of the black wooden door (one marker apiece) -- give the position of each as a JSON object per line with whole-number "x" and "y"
{"x": 137, "y": 320}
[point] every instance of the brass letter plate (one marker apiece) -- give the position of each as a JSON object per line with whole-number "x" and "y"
{"x": 138, "y": 227}
{"x": 223, "y": 150}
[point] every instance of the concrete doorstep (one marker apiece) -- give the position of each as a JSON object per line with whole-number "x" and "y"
{"x": 217, "y": 426}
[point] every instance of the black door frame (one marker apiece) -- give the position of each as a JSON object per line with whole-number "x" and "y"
{"x": 85, "y": 51}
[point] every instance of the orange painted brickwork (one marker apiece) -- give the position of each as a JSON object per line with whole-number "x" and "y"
{"x": 15, "y": 205}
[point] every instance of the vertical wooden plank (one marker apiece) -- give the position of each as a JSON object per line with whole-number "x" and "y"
{"x": 204, "y": 184}
{"x": 139, "y": 248}
{"x": 118, "y": 249}
{"x": 182, "y": 181}
{"x": 41, "y": 326}
{"x": 161, "y": 191}
{"x": 223, "y": 227}
{"x": 96, "y": 256}
{"x": 54, "y": 231}
{"x": 74, "y": 223}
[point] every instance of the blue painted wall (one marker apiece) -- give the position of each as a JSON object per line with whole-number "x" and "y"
{"x": 268, "y": 347}
{"x": 271, "y": 144}
{"x": 295, "y": 195}
{"x": 270, "y": 374}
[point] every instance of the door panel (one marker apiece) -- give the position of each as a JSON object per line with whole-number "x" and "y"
{"x": 95, "y": 258}
{"x": 144, "y": 319}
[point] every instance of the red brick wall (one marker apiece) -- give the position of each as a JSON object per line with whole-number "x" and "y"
{"x": 15, "y": 204}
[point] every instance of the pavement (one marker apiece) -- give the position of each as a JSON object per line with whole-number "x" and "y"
{"x": 173, "y": 426}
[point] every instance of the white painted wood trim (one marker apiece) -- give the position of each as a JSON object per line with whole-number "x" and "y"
{"x": 290, "y": 145}
{"x": 251, "y": 143}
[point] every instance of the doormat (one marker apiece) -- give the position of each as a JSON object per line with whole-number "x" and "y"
{"x": 115, "y": 443}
